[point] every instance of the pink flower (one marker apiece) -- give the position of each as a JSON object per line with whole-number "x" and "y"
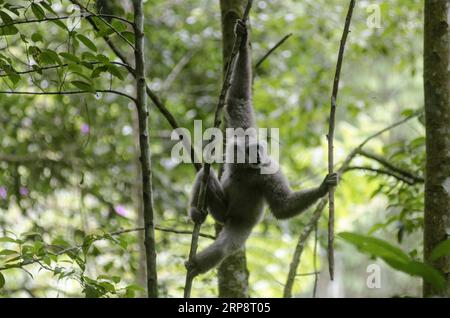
{"x": 120, "y": 209}
{"x": 24, "y": 191}
{"x": 3, "y": 193}
{"x": 85, "y": 129}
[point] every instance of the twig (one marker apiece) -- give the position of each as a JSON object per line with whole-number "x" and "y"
{"x": 287, "y": 293}
{"x": 58, "y": 66}
{"x": 271, "y": 50}
{"x": 177, "y": 70}
{"x": 385, "y": 172}
{"x": 70, "y": 93}
{"x": 201, "y": 203}
{"x": 163, "y": 229}
{"x": 316, "y": 276}
{"x": 391, "y": 166}
{"x": 330, "y": 136}
{"x": 64, "y": 18}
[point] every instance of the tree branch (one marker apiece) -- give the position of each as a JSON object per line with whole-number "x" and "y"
{"x": 110, "y": 91}
{"x": 64, "y": 18}
{"x": 330, "y": 135}
{"x": 383, "y": 171}
{"x": 271, "y": 50}
{"x": 58, "y": 66}
{"x": 391, "y": 166}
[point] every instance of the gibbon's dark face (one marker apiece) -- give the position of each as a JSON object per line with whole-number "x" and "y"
{"x": 248, "y": 154}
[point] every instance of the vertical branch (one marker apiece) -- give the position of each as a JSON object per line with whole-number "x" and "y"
{"x": 201, "y": 203}
{"x": 316, "y": 273}
{"x": 145, "y": 159}
{"x": 330, "y": 136}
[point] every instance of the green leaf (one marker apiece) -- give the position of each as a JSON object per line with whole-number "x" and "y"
{"x": 441, "y": 250}
{"x": 60, "y": 24}
{"x": 8, "y": 30}
{"x": 8, "y": 252}
{"x": 7, "y": 239}
{"x": 5, "y": 17}
{"x": 128, "y": 35}
{"x": 2, "y": 280}
{"x": 87, "y": 42}
{"x": 38, "y": 11}
{"x": 84, "y": 87}
{"x": 48, "y": 7}
{"x": 374, "y": 246}
{"x": 102, "y": 58}
{"x": 49, "y": 57}
{"x": 114, "y": 70}
{"x": 36, "y": 37}
{"x": 98, "y": 70}
{"x": 70, "y": 57}
{"x": 88, "y": 56}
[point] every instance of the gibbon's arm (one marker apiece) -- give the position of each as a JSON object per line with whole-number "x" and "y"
{"x": 239, "y": 110}
{"x": 285, "y": 203}
{"x": 215, "y": 198}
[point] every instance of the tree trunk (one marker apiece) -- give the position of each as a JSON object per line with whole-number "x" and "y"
{"x": 145, "y": 158}
{"x": 232, "y": 274}
{"x": 437, "y": 113}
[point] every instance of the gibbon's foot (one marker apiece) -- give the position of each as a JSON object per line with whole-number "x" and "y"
{"x": 331, "y": 180}
{"x": 191, "y": 267}
{"x": 241, "y": 28}
{"x": 197, "y": 216}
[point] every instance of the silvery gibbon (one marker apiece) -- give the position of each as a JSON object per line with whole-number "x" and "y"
{"x": 237, "y": 199}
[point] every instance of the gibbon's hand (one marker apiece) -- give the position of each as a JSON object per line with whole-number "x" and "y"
{"x": 197, "y": 216}
{"x": 241, "y": 28}
{"x": 331, "y": 180}
{"x": 191, "y": 267}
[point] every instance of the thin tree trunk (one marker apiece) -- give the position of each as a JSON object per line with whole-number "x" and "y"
{"x": 232, "y": 273}
{"x": 145, "y": 158}
{"x": 437, "y": 114}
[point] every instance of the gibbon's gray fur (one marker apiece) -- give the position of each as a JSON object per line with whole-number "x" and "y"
{"x": 237, "y": 200}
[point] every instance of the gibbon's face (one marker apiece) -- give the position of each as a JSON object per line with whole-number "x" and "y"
{"x": 248, "y": 153}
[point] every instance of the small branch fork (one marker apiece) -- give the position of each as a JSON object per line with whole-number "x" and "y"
{"x": 330, "y": 135}
{"x": 201, "y": 203}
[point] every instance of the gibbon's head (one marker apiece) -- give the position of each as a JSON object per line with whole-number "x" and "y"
{"x": 247, "y": 153}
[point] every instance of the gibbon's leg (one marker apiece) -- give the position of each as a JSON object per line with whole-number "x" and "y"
{"x": 284, "y": 203}
{"x": 215, "y": 199}
{"x": 230, "y": 240}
